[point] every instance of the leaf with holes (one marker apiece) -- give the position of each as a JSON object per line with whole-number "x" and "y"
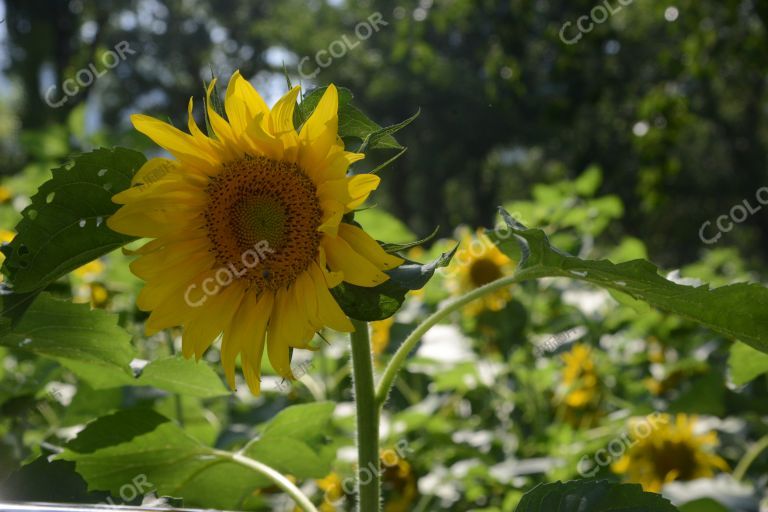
{"x": 64, "y": 227}
{"x": 736, "y": 311}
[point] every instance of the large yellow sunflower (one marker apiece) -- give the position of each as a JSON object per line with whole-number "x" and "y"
{"x": 672, "y": 450}
{"x": 247, "y": 228}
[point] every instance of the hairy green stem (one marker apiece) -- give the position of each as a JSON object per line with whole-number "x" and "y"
{"x": 368, "y": 468}
{"x": 397, "y": 361}
{"x": 274, "y": 476}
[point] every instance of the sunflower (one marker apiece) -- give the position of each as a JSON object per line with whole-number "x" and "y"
{"x": 580, "y": 393}
{"x": 479, "y": 262}
{"x": 669, "y": 451}
{"x": 246, "y": 228}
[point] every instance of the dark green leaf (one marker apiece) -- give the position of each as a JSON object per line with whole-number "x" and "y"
{"x": 354, "y": 124}
{"x": 391, "y": 248}
{"x": 373, "y": 139}
{"x": 64, "y": 227}
{"x": 736, "y": 311}
{"x": 592, "y": 496}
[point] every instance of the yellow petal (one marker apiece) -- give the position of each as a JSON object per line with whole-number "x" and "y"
{"x": 337, "y": 163}
{"x": 360, "y": 187}
{"x": 367, "y": 247}
{"x": 333, "y": 211}
{"x": 357, "y": 270}
{"x": 246, "y": 333}
{"x": 211, "y": 319}
{"x": 179, "y": 144}
{"x": 284, "y": 327}
{"x": 332, "y": 279}
{"x": 242, "y": 104}
{"x": 319, "y": 133}
{"x": 328, "y": 309}
{"x": 154, "y": 169}
{"x": 281, "y": 124}
{"x": 220, "y": 127}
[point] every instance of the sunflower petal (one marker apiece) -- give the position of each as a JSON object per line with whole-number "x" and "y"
{"x": 357, "y": 270}
{"x": 367, "y": 247}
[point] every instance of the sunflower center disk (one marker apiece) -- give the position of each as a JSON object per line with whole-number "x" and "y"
{"x": 262, "y": 221}
{"x": 484, "y": 271}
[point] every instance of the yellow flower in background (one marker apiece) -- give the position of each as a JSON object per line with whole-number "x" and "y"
{"x": 380, "y": 335}
{"x": 478, "y": 262}
{"x": 398, "y": 482}
{"x": 90, "y": 271}
{"x": 331, "y": 485}
{"x": 5, "y": 238}
{"x": 672, "y": 451}
{"x": 247, "y": 229}
{"x": 5, "y": 194}
{"x": 580, "y": 392}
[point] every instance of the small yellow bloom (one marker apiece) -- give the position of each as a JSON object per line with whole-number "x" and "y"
{"x": 331, "y": 485}
{"x": 398, "y": 482}
{"x": 247, "y": 229}
{"x": 671, "y": 451}
{"x": 580, "y": 392}
{"x": 5, "y": 237}
{"x": 5, "y": 194}
{"x": 478, "y": 262}
{"x": 380, "y": 334}
{"x": 90, "y": 271}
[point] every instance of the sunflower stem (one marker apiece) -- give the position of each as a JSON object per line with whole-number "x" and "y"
{"x": 397, "y": 361}
{"x": 273, "y": 475}
{"x": 368, "y": 468}
{"x": 749, "y": 458}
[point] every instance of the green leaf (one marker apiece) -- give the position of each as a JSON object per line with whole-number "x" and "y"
{"x": 390, "y": 248}
{"x": 736, "y": 311}
{"x": 373, "y": 139}
{"x": 383, "y": 301}
{"x": 182, "y": 376}
{"x": 114, "y": 449}
{"x": 73, "y": 335}
{"x": 592, "y": 496}
{"x": 703, "y": 505}
{"x": 64, "y": 226}
{"x": 354, "y": 124}
{"x": 300, "y": 421}
{"x": 746, "y": 363}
